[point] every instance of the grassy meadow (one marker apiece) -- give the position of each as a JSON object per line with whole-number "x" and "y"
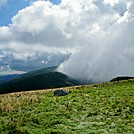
{"x": 91, "y": 109}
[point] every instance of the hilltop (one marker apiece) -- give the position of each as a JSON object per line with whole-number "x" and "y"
{"x": 88, "y": 109}
{"x": 38, "y": 79}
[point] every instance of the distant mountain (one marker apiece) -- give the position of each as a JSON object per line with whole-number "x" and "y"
{"x": 6, "y": 78}
{"x": 38, "y": 79}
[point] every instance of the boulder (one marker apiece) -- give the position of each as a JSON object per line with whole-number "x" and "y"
{"x": 60, "y": 93}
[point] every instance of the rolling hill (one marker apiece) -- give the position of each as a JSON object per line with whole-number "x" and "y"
{"x": 38, "y": 79}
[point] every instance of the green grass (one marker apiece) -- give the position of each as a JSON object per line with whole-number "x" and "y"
{"x": 91, "y": 109}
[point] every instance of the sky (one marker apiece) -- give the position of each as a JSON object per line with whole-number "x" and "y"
{"x": 91, "y": 40}
{"x": 9, "y": 8}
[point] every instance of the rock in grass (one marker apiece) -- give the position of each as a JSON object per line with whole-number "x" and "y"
{"x": 60, "y": 93}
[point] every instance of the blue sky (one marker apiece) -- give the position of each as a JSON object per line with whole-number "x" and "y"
{"x": 8, "y": 10}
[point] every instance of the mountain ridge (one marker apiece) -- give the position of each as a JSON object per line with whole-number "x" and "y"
{"x": 6, "y": 78}
{"x": 38, "y": 79}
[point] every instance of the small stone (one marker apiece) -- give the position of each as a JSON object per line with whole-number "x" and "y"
{"x": 60, "y": 93}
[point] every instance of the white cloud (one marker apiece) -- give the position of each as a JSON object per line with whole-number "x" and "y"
{"x": 111, "y": 2}
{"x": 109, "y": 50}
{"x": 97, "y": 34}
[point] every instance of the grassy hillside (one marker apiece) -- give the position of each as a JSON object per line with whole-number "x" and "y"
{"x": 91, "y": 109}
{"x": 38, "y": 79}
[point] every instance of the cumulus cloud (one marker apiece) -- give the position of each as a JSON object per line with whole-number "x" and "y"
{"x": 108, "y": 52}
{"x": 95, "y": 38}
{"x": 35, "y": 34}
